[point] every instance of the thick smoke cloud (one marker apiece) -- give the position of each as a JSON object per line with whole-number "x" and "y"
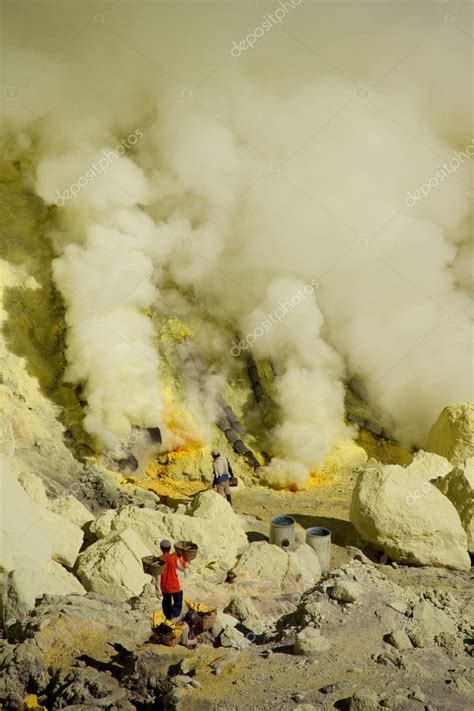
{"x": 288, "y": 165}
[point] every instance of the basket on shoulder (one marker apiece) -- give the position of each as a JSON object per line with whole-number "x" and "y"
{"x": 153, "y": 565}
{"x": 187, "y": 550}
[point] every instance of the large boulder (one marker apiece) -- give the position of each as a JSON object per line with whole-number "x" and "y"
{"x": 427, "y": 466}
{"x": 23, "y": 587}
{"x": 268, "y": 565}
{"x": 112, "y": 566}
{"x": 28, "y": 521}
{"x": 68, "y": 507}
{"x": 34, "y": 487}
{"x": 304, "y": 568}
{"x": 413, "y": 523}
{"x": 262, "y": 563}
{"x": 25, "y": 541}
{"x": 452, "y": 435}
{"x": 210, "y": 522}
{"x": 71, "y": 509}
{"x": 244, "y": 610}
{"x": 458, "y": 486}
{"x": 67, "y": 537}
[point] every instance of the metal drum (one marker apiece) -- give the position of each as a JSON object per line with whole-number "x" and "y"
{"x": 320, "y": 540}
{"x": 282, "y": 531}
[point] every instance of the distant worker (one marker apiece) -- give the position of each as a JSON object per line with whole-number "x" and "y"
{"x": 222, "y": 472}
{"x": 172, "y": 602}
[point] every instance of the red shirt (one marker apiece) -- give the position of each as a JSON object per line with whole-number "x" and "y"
{"x": 169, "y": 581}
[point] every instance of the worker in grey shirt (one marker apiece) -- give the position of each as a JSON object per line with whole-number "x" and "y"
{"x": 222, "y": 472}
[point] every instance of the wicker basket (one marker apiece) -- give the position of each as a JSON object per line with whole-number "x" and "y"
{"x": 187, "y": 550}
{"x": 153, "y": 565}
{"x": 207, "y": 620}
{"x": 167, "y": 639}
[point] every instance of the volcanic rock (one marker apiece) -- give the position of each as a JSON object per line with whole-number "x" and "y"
{"x": 309, "y": 641}
{"x": 452, "y": 435}
{"x": 23, "y": 587}
{"x": 413, "y": 524}
{"x": 112, "y": 566}
{"x": 364, "y": 700}
{"x": 344, "y": 591}
{"x": 244, "y": 610}
{"x": 398, "y": 639}
{"x": 458, "y": 486}
{"x": 210, "y": 522}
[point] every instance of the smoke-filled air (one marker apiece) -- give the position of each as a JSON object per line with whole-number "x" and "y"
{"x": 236, "y": 359}
{"x": 285, "y": 201}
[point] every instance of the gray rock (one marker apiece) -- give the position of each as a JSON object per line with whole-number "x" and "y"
{"x": 309, "y": 641}
{"x": 364, "y": 700}
{"x": 245, "y": 611}
{"x": 429, "y": 623}
{"x": 398, "y": 606}
{"x": 398, "y": 639}
{"x": 462, "y": 685}
{"x": 231, "y": 637}
{"x": 344, "y": 591}
{"x": 390, "y": 659}
{"x": 297, "y": 696}
{"x": 181, "y": 680}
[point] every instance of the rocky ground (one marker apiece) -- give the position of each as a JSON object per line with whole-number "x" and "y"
{"x": 366, "y": 636}
{"x": 389, "y": 627}
{"x": 356, "y": 640}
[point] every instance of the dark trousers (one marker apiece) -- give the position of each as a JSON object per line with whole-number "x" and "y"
{"x": 172, "y": 604}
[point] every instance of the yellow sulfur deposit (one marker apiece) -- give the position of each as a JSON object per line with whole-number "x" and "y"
{"x": 200, "y": 607}
{"x": 344, "y": 457}
{"x": 31, "y": 702}
{"x": 176, "y": 330}
{"x": 167, "y": 627}
{"x": 384, "y": 450}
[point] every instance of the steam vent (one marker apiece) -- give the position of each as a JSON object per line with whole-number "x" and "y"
{"x": 236, "y": 363}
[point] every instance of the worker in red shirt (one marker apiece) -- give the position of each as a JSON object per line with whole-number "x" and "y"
{"x": 172, "y": 601}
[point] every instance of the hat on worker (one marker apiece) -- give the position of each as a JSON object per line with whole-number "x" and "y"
{"x": 165, "y": 543}
{"x": 215, "y": 453}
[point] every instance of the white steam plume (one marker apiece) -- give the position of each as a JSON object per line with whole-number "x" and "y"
{"x": 334, "y": 142}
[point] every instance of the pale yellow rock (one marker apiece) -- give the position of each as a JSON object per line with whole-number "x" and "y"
{"x": 112, "y": 566}
{"x": 452, "y": 435}
{"x": 64, "y": 517}
{"x": 412, "y": 523}
{"x": 69, "y": 508}
{"x": 210, "y": 522}
{"x": 344, "y": 457}
{"x": 7, "y": 438}
{"x": 67, "y": 537}
{"x": 24, "y": 586}
{"x": 262, "y": 563}
{"x": 458, "y": 486}
{"x": 304, "y": 569}
{"x": 427, "y": 466}
{"x": 25, "y": 540}
{"x": 34, "y": 487}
